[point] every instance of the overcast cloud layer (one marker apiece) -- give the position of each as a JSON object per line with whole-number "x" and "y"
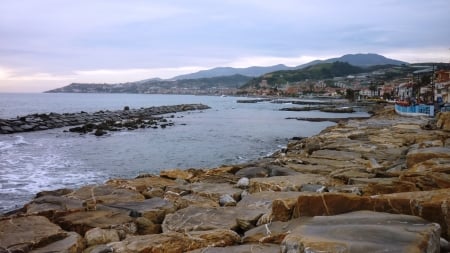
{"x": 50, "y": 43}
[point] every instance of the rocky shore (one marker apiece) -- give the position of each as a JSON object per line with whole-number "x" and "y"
{"x": 101, "y": 120}
{"x": 365, "y": 185}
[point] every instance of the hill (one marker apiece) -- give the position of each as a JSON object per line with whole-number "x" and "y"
{"x": 226, "y": 71}
{"x": 315, "y": 72}
{"x": 211, "y": 85}
{"x": 360, "y": 60}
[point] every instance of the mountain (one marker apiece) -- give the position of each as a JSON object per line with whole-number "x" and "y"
{"x": 213, "y": 85}
{"x": 315, "y": 72}
{"x": 227, "y": 71}
{"x": 360, "y": 60}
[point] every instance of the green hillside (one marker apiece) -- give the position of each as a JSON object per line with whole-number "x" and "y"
{"x": 315, "y": 72}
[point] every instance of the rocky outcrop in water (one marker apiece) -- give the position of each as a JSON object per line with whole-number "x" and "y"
{"x": 373, "y": 185}
{"x": 100, "y": 121}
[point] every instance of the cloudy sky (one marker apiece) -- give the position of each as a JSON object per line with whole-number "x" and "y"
{"x": 46, "y": 44}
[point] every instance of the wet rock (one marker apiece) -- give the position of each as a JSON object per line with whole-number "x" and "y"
{"x": 97, "y": 236}
{"x": 199, "y": 219}
{"x": 176, "y": 242}
{"x": 72, "y": 243}
{"x": 364, "y": 231}
{"x": 25, "y": 233}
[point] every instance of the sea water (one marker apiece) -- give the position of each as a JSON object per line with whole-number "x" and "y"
{"x": 228, "y": 133}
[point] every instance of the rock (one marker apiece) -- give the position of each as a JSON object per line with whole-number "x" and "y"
{"x": 227, "y": 200}
{"x": 72, "y": 243}
{"x": 146, "y": 226}
{"x": 209, "y": 190}
{"x": 247, "y": 248}
{"x": 198, "y": 219}
{"x": 142, "y": 183}
{"x": 443, "y": 121}
{"x": 432, "y": 165}
{"x": 53, "y": 206}
{"x": 364, "y": 231}
{"x": 97, "y": 236}
{"x": 285, "y": 183}
{"x": 273, "y": 232}
{"x": 430, "y": 205}
{"x": 176, "y": 242}
{"x": 243, "y": 183}
{"x": 177, "y": 174}
{"x": 420, "y": 155}
{"x": 265, "y": 171}
{"x": 154, "y": 209}
{"x": 99, "y": 249}
{"x": 106, "y": 194}
{"x": 25, "y": 233}
{"x": 81, "y": 222}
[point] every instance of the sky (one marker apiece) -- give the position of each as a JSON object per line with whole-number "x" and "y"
{"x": 46, "y": 44}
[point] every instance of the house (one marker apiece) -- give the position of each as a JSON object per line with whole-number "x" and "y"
{"x": 404, "y": 90}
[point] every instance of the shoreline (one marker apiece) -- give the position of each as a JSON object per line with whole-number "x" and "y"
{"x": 381, "y": 163}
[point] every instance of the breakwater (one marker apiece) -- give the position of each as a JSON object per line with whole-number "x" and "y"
{"x": 44, "y": 121}
{"x": 312, "y": 196}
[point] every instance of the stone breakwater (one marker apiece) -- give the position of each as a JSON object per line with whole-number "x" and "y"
{"x": 36, "y": 122}
{"x": 373, "y": 185}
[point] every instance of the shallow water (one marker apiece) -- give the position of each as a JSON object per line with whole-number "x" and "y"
{"x": 228, "y": 133}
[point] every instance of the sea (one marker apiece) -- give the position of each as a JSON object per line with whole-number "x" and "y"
{"x": 228, "y": 133}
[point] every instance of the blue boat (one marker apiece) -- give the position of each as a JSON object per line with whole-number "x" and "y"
{"x": 414, "y": 109}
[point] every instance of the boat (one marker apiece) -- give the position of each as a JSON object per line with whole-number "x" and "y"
{"x": 408, "y": 109}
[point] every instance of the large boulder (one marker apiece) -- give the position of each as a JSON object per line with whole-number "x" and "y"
{"x": 106, "y": 194}
{"x": 73, "y": 243}
{"x": 364, "y": 231}
{"x": 443, "y": 121}
{"x": 81, "y": 222}
{"x": 285, "y": 183}
{"x": 173, "y": 242}
{"x": 154, "y": 209}
{"x": 420, "y": 155}
{"x": 212, "y": 191}
{"x": 430, "y": 205}
{"x": 197, "y": 219}
{"x": 25, "y": 233}
{"x": 246, "y": 248}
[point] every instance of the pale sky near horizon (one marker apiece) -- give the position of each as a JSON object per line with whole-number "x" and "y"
{"x": 46, "y": 44}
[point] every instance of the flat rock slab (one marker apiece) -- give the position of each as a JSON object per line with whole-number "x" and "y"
{"x": 141, "y": 184}
{"x": 49, "y": 205}
{"x": 285, "y": 183}
{"x": 72, "y": 243}
{"x": 246, "y": 248}
{"x": 209, "y": 190}
{"x": 106, "y": 194}
{"x": 25, "y": 233}
{"x": 81, "y": 222}
{"x": 416, "y": 156}
{"x": 364, "y": 231}
{"x": 430, "y": 205}
{"x": 199, "y": 219}
{"x": 154, "y": 209}
{"x": 176, "y": 242}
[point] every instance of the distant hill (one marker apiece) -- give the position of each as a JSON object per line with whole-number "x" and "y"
{"x": 185, "y": 86}
{"x": 360, "y": 60}
{"x": 227, "y": 71}
{"x": 315, "y": 72}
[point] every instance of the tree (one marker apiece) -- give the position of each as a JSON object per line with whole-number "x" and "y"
{"x": 350, "y": 95}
